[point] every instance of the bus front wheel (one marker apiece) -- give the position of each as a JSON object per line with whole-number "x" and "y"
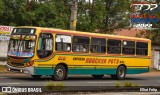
{"x": 120, "y": 73}
{"x": 97, "y": 76}
{"x": 59, "y": 73}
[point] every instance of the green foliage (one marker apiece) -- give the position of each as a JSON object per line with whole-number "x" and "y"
{"x": 2, "y": 93}
{"x": 118, "y": 84}
{"x": 128, "y": 84}
{"x": 50, "y": 85}
{"x": 60, "y": 86}
{"x": 102, "y": 15}
{"x": 99, "y": 15}
{"x": 23, "y": 13}
{"x": 53, "y": 86}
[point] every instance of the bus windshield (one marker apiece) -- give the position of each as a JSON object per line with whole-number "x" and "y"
{"x": 21, "y": 46}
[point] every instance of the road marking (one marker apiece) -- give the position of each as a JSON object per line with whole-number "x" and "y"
{"x": 100, "y": 82}
{"x": 9, "y": 83}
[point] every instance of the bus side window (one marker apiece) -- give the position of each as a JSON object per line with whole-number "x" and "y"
{"x": 128, "y": 47}
{"x": 80, "y": 44}
{"x": 98, "y": 45}
{"x": 114, "y": 46}
{"x": 45, "y": 45}
{"x": 141, "y": 48}
{"x": 63, "y": 42}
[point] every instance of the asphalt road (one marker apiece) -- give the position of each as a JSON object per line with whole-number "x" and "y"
{"x": 152, "y": 79}
{"x": 149, "y": 80}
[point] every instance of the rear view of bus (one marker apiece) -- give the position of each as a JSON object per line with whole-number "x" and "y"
{"x": 21, "y": 50}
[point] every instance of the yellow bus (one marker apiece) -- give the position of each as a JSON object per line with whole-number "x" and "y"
{"x": 58, "y": 53}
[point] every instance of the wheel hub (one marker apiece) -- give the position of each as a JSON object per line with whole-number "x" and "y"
{"x": 121, "y": 73}
{"x": 59, "y": 72}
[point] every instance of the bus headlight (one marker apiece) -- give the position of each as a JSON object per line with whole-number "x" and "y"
{"x": 21, "y": 71}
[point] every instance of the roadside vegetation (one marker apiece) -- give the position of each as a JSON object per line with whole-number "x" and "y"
{"x": 126, "y": 84}
{"x": 54, "y": 86}
{"x": 3, "y": 93}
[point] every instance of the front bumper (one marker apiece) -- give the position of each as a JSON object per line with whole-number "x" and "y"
{"x": 26, "y": 70}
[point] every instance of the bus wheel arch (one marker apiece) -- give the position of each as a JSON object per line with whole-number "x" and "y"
{"x": 120, "y": 72}
{"x": 60, "y": 72}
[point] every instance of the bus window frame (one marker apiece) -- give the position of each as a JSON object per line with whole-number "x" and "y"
{"x": 101, "y": 44}
{"x": 55, "y": 43}
{"x": 52, "y": 51}
{"x": 34, "y": 50}
{"x": 120, "y": 47}
{"x": 74, "y": 44}
{"x": 142, "y": 48}
{"x": 12, "y": 33}
{"x": 133, "y": 47}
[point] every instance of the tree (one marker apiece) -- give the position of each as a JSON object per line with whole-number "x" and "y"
{"x": 6, "y": 13}
{"x": 116, "y": 16}
{"x": 102, "y": 15}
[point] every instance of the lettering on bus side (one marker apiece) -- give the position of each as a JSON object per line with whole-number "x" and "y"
{"x": 113, "y": 61}
{"x": 61, "y": 58}
{"x": 79, "y": 59}
{"x": 96, "y": 60}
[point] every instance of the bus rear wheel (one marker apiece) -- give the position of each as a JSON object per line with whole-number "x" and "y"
{"x": 59, "y": 73}
{"x": 36, "y": 76}
{"x": 97, "y": 76}
{"x": 120, "y": 73}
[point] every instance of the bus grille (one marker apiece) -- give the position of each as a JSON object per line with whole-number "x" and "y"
{"x": 16, "y": 64}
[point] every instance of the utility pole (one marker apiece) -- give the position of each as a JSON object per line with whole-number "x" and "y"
{"x": 73, "y": 19}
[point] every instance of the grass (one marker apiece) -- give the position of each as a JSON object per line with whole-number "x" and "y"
{"x": 2, "y": 93}
{"x": 50, "y": 85}
{"x": 118, "y": 84}
{"x": 126, "y": 84}
{"x": 54, "y": 86}
{"x": 130, "y": 84}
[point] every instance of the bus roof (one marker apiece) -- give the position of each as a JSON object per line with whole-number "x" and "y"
{"x": 70, "y": 32}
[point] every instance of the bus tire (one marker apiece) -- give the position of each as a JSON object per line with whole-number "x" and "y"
{"x": 59, "y": 73}
{"x": 120, "y": 73}
{"x": 97, "y": 76}
{"x": 36, "y": 76}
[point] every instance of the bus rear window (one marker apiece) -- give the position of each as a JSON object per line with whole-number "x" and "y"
{"x": 141, "y": 48}
{"x": 114, "y": 46}
{"x": 128, "y": 47}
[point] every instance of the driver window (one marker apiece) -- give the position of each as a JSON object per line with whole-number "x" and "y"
{"x": 45, "y": 45}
